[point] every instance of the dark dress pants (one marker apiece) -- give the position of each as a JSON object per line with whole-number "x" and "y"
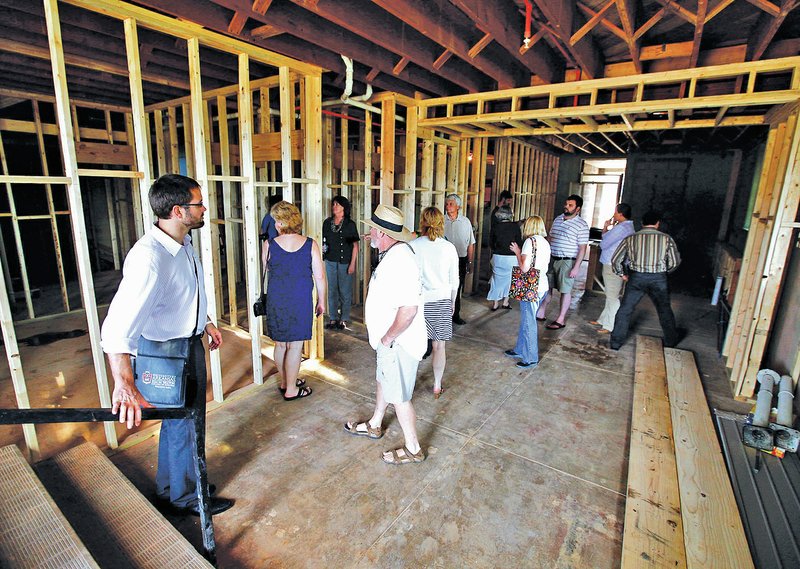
{"x": 655, "y": 286}
{"x": 176, "y": 480}
{"x": 462, "y": 274}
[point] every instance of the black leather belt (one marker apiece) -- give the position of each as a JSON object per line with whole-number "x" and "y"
{"x": 563, "y": 258}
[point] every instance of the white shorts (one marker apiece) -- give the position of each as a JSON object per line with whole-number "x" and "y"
{"x": 396, "y": 371}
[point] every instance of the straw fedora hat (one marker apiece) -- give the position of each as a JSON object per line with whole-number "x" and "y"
{"x": 389, "y": 220}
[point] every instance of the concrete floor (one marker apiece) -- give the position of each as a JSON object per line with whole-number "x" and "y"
{"x": 525, "y": 468}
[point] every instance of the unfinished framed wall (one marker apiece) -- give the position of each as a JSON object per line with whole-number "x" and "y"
{"x": 373, "y": 153}
{"x": 240, "y": 142}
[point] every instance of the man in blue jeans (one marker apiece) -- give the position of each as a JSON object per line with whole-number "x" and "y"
{"x": 643, "y": 260}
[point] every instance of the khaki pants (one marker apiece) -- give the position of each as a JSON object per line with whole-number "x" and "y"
{"x": 613, "y": 285}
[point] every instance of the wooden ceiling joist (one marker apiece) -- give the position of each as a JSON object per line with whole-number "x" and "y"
{"x": 88, "y": 63}
{"x": 428, "y": 18}
{"x": 561, "y": 15}
{"x": 501, "y": 20}
{"x": 592, "y": 22}
{"x": 186, "y": 30}
{"x": 368, "y": 24}
{"x": 766, "y": 28}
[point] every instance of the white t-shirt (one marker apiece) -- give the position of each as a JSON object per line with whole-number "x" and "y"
{"x": 542, "y": 259}
{"x": 395, "y": 283}
{"x": 438, "y": 265}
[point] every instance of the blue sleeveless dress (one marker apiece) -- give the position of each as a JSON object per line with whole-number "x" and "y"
{"x": 290, "y": 309}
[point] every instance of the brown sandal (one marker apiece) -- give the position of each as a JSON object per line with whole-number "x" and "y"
{"x": 371, "y": 432}
{"x": 407, "y": 458}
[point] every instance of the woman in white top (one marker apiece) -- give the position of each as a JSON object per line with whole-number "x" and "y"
{"x": 438, "y": 266}
{"x": 535, "y": 253}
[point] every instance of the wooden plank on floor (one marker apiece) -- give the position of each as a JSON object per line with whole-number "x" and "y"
{"x": 653, "y": 535}
{"x": 713, "y": 532}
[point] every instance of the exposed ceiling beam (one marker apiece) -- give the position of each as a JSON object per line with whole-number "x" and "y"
{"x": 561, "y": 16}
{"x": 479, "y": 46}
{"x": 265, "y": 31}
{"x": 654, "y": 19}
{"x": 676, "y": 8}
{"x": 503, "y": 21}
{"x": 592, "y": 22}
{"x": 605, "y": 22}
{"x": 589, "y": 140}
{"x": 702, "y": 8}
{"x": 442, "y": 59}
{"x": 627, "y": 16}
{"x": 369, "y": 25}
{"x": 717, "y": 9}
{"x": 310, "y": 28}
{"x": 428, "y": 19}
{"x": 612, "y": 143}
{"x": 765, "y": 29}
{"x": 398, "y": 69}
{"x": 768, "y": 7}
{"x": 87, "y": 63}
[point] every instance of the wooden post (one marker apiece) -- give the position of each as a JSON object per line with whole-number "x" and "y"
{"x": 408, "y": 200}
{"x": 174, "y": 153}
{"x": 188, "y": 142}
{"x": 426, "y": 172}
{"x": 62, "y": 280}
{"x": 312, "y": 190}
{"x": 141, "y": 132}
{"x": 227, "y": 208}
{"x": 136, "y": 194}
{"x": 287, "y": 121}
{"x": 344, "y": 173}
{"x": 76, "y": 207}
{"x": 15, "y": 367}
{"x": 161, "y": 155}
{"x": 23, "y": 267}
{"x": 112, "y": 223}
{"x": 366, "y": 271}
{"x": 250, "y": 212}
{"x": 201, "y": 163}
{"x": 328, "y": 145}
{"x": 388, "y": 107}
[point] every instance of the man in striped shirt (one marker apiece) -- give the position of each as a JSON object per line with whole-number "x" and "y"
{"x": 569, "y": 237}
{"x": 643, "y": 260}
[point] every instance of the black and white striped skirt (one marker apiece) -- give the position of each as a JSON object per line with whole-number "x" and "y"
{"x": 439, "y": 319}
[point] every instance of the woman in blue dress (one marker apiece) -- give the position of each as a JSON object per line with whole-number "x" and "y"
{"x": 294, "y": 265}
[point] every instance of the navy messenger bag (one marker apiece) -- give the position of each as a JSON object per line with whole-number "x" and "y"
{"x": 160, "y": 371}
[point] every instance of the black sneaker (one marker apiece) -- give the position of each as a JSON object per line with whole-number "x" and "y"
{"x": 527, "y": 364}
{"x": 512, "y": 354}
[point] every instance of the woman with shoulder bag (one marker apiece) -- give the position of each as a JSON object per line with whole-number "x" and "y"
{"x": 530, "y": 288}
{"x": 294, "y": 265}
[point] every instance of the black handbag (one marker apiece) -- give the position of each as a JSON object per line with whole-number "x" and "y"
{"x": 161, "y": 369}
{"x": 260, "y": 305}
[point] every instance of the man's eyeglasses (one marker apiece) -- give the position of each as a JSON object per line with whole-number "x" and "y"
{"x": 198, "y": 204}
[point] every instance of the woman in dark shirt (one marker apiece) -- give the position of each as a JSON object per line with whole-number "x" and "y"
{"x": 340, "y": 251}
{"x": 504, "y": 232}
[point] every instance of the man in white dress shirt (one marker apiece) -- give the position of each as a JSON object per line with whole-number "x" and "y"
{"x": 161, "y": 297}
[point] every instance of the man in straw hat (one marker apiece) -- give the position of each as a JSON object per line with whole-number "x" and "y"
{"x": 396, "y": 326}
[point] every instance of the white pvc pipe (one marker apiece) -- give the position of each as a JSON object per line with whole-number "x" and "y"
{"x": 785, "y": 400}
{"x": 767, "y": 378}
